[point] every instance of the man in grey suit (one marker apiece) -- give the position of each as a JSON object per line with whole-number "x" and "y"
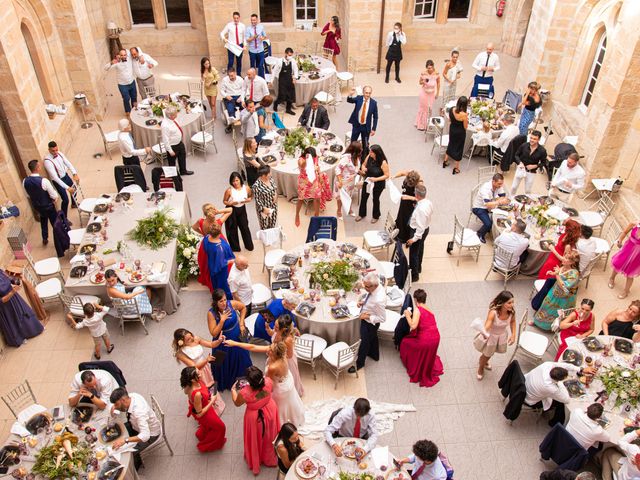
{"x": 314, "y": 115}
{"x": 249, "y": 120}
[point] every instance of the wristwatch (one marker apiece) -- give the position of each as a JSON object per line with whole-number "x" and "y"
{"x": 126, "y": 440}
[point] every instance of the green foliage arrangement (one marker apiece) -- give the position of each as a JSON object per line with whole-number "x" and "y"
{"x": 622, "y": 381}
{"x": 539, "y": 213}
{"x": 48, "y": 465}
{"x": 158, "y": 107}
{"x": 155, "y": 231}
{"x": 484, "y": 109}
{"x": 306, "y": 65}
{"x": 187, "y": 254}
{"x": 298, "y": 138}
{"x": 339, "y": 274}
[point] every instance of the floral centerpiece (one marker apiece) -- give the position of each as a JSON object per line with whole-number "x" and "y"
{"x": 63, "y": 461}
{"x": 339, "y": 274}
{"x": 298, "y": 138}
{"x": 484, "y": 109}
{"x": 539, "y": 213}
{"x": 155, "y": 231}
{"x": 306, "y": 65}
{"x": 187, "y": 254}
{"x": 158, "y": 106}
{"x": 623, "y": 382}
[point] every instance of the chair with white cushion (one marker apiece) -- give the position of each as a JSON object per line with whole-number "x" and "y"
{"x": 109, "y": 139}
{"x": 585, "y": 275}
{"x": 74, "y": 305}
{"x": 201, "y": 140}
{"x": 503, "y": 257}
{"x": 162, "y": 439}
{"x": 530, "y": 344}
{"x": 339, "y": 357}
{"x": 133, "y": 188}
{"x": 609, "y": 238}
{"x": 195, "y": 90}
{"x": 261, "y": 295}
{"x": 396, "y": 295}
{"x": 43, "y": 268}
{"x": 308, "y": 349}
{"x": 159, "y": 153}
{"x": 439, "y": 138}
{"x": 127, "y": 311}
{"x": 48, "y": 291}
{"x": 597, "y": 213}
{"x": 250, "y": 323}
{"x": 272, "y": 238}
{"x": 349, "y": 75}
{"x": 388, "y": 327}
{"x": 19, "y": 398}
{"x": 85, "y": 205}
{"x": 537, "y": 286}
{"x": 472, "y": 199}
{"x": 329, "y": 98}
{"x": 465, "y": 238}
{"x": 75, "y": 237}
{"x": 378, "y": 240}
{"x": 477, "y": 142}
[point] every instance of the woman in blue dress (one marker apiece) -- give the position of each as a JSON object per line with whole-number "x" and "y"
{"x": 269, "y": 315}
{"x": 219, "y": 255}
{"x": 17, "y": 320}
{"x": 223, "y": 320}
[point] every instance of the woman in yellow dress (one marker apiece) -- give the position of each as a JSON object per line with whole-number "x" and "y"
{"x": 210, "y": 79}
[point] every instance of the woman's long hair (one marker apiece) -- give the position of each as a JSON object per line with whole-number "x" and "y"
{"x": 462, "y": 104}
{"x": 216, "y": 296}
{"x": 286, "y": 432}
{"x": 336, "y": 22}
{"x": 355, "y": 150}
{"x": 178, "y": 340}
{"x": 188, "y": 376}
{"x": 572, "y": 233}
{"x": 202, "y": 67}
{"x": 255, "y": 377}
{"x": 501, "y": 299}
{"x": 377, "y": 151}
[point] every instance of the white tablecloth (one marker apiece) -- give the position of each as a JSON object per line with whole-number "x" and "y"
{"x": 306, "y": 88}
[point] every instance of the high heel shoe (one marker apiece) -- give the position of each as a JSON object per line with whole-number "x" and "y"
{"x": 445, "y": 164}
{"x": 623, "y": 295}
{"x": 610, "y": 284}
{"x": 455, "y": 171}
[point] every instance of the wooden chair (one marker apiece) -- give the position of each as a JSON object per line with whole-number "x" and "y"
{"x": 327, "y": 53}
{"x": 19, "y": 398}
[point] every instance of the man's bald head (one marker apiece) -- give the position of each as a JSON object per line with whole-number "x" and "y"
{"x": 241, "y": 262}
{"x": 490, "y": 47}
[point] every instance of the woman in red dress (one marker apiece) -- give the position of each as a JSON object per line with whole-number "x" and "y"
{"x": 332, "y": 35}
{"x": 419, "y": 349}
{"x": 580, "y": 324}
{"x": 211, "y": 432}
{"x": 203, "y": 226}
{"x": 312, "y": 184}
{"x": 261, "y": 420}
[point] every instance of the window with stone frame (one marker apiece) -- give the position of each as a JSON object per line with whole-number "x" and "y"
{"x": 177, "y": 11}
{"x": 271, "y": 11}
{"x": 425, "y": 8}
{"x": 306, "y": 10}
{"x": 594, "y": 71}
{"x": 141, "y": 12}
{"x": 459, "y": 9}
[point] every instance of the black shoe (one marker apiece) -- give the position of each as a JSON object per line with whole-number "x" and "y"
{"x": 186, "y": 172}
{"x": 352, "y": 370}
{"x": 386, "y": 80}
{"x": 275, "y": 107}
{"x": 482, "y": 239}
{"x": 227, "y": 129}
{"x": 398, "y": 80}
{"x": 290, "y": 112}
{"x": 45, "y": 241}
{"x": 415, "y": 278}
{"x": 110, "y": 349}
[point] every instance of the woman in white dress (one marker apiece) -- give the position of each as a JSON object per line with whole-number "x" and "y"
{"x": 345, "y": 175}
{"x": 451, "y": 74}
{"x": 284, "y": 331}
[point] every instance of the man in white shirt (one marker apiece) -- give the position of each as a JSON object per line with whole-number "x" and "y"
{"x": 584, "y": 426}
{"x": 231, "y": 91}
{"x": 92, "y": 386}
{"x": 586, "y": 246}
{"x": 126, "y": 79}
{"x": 142, "y": 64}
{"x": 130, "y": 154}
{"x": 490, "y": 195}
{"x": 56, "y": 164}
{"x": 372, "y": 314}
{"x": 509, "y": 133}
{"x": 419, "y": 223}
{"x": 233, "y": 33}
{"x": 486, "y": 64}
{"x": 355, "y": 422}
{"x": 514, "y": 242}
{"x": 569, "y": 178}
{"x": 249, "y": 120}
{"x": 142, "y": 423}
{"x": 255, "y": 87}
{"x": 43, "y": 198}
{"x": 172, "y": 138}
{"x": 255, "y": 36}
{"x": 626, "y": 465}
{"x": 426, "y": 463}
{"x": 240, "y": 282}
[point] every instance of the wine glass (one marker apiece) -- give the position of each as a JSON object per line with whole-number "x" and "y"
{"x": 137, "y": 263}
{"x": 101, "y": 264}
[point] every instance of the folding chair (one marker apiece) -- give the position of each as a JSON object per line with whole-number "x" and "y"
{"x": 530, "y": 344}
{"x": 339, "y": 357}
{"x": 205, "y": 137}
{"x": 162, "y": 439}
{"x": 465, "y": 238}
{"x": 127, "y": 310}
{"x": 308, "y": 349}
{"x": 503, "y": 257}
{"x": 19, "y": 398}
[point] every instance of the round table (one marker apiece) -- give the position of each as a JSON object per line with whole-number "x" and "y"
{"x": 307, "y": 88}
{"x": 286, "y": 174}
{"x": 321, "y": 322}
{"x": 322, "y": 454}
{"x": 149, "y": 135}
{"x": 616, "y": 415}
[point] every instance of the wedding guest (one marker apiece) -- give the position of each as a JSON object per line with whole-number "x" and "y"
{"x": 261, "y": 420}
{"x": 459, "y": 122}
{"x": 426, "y": 463}
{"x": 255, "y": 87}
{"x": 586, "y": 246}
{"x": 395, "y": 39}
{"x": 286, "y": 71}
{"x": 172, "y": 138}
{"x": 285, "y": 331}
{"x": 419, "y": 349}
{"x": 314, "y": 115}
{"x": 240, "y": 282}
{"x": 490, "y": 195}
{"x": 236, "y": 197}
{"x": 143, "y": 64}
{"x": 250, "y": 159}
{"x": 224, "y": 320}
{"x": 563, "y": 293}
{"x": 94, "y": 320}
{"x": 562, "y": 474}
{"x": 482, "y": 135}
{"x": 407, "y": 202}
{"x": 375, "y": 171}
{"x": 211, "y": 429}
{"x": 513, "y": 241}
{"x": 332, "y": 36}
{"x": 354, "y": 422}
{"x": 451, "y": 74}
{"x": 569, "y": 178}
{"x": 625, "y": 465}
{"x": 141, "y": 295}
{"x": 345, "y": 175}
{"x": 499, "y": 330}
{"x": 43, "y": 198}
{"x": 627, "y": 260}
{"x": 125, "y": 78}
{"x": 249, "y": 121}
{"x": 189, "y": 349}
{"x": 623, "y": 323}
{"x": 92, "y": 387}
{"x": 364, "y": 118}
{"x": 530, "y": 103}
{"x": 218, "y": 255}
{"x": 486, "y": 64}
{"x": 233, "y": 33}
{"x": 312, "y": 183}
{"x": 429, "y": 82}
{"x": 57, "y": 166}
{"x": 509, "y": 133}
{"x": 579, "y": 324}
{"x": 289, "y": 445}
{"x": 210, "y": 78}
{"x": 266, "y": 198}
{"x": 584, "y": 427}
{"x": 261, "y": 111}
{"x": 211, "y": 215}
{"x": 372, "y": 314}
{"x": 419, "y": 229}
{"x": 276, "y": 308}
{"x": 561, "y": 153}
{"x": 254, "y": 37}
{"x": 528, "y": 158}
{"x": 130, "y": 154}
{"x": 231, "y": 90}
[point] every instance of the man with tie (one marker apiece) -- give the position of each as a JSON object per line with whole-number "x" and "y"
{"x": 419, "y": 225}
{"x": 353, "y": 422}
{"x": 426, "y": 463}
{"x": 249, "y": 120}
{"x": 173, "y": 140}
{"x": 314, "y": 115}
{"x": 130, "y": 154}
{"x": 233, "y": 33}
{"x": 286, "y": 71}
{"x": 56, "y": 165}
{"x": 43, "y": 198}
{"x": 255, "y": 87}
{"x": 254, "y": 36}
{"x": 92, "y": 386}
{"x": 486, "y": 64}
{"x": 364, "y": 118}
{"x": 372, "y": 314}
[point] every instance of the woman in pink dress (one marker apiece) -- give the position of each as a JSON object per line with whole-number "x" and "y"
{"x": 345, "y": 175}
{"x": 419, "y": 349}
{"x": 332, "y": 35}
{"x": 261, "y": 420}
{"x": 627, "y": 260}
{"x": 429, "y": 91}
{"x": 285, "y": 331}
{"x": 312, "y": 183}
{"x": 580, "y": 324}
{"x": 500, "y": 320}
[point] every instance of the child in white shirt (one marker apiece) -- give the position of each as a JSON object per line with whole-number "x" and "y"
{"x": 94, "y": 321}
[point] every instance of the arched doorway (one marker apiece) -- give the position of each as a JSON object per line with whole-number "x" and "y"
{"x": 516, "y": 27}
{"x": 36, "y": 61}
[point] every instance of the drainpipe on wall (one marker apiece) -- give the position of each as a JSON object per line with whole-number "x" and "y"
{"x": 380, "y": 36}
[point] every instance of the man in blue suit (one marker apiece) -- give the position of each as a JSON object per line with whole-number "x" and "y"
{"x": 364, "y": 117}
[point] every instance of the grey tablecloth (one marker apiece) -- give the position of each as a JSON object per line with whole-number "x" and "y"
{"x": 147, "y": 136}
{"x": 122, "y": 220}
{"x": 306, "y": 89}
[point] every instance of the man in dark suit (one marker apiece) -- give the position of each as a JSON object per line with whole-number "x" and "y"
{"x": 314, "y": 115}
{"x": 364, "y": 117}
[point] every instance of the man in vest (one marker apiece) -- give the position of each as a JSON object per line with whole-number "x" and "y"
{"x": 43, "y": 197}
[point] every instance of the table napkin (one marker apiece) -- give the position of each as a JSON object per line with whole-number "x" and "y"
{"x": 27, "y": 413}
{"x": 18, "y": 429}
{"x": 380, "y": 456}
{"x": 557, "y": 213}
{"x": 327, "y": 70}
{"x": 497, "y": 211}
{"x": 353, "y": 308}
{"x": 158, "y": 277}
